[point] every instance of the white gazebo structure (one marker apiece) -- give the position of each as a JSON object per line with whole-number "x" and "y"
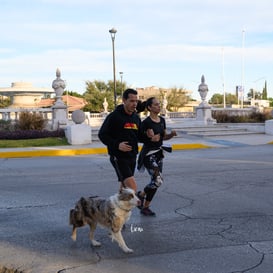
{"x": 24, "y": 94}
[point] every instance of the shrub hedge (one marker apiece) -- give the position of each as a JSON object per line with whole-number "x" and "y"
{"x": 29, "y": 126}
{"x": 223, "y": 117}
{"x": 31, "y": 121}
{"x": 31, "y": 134}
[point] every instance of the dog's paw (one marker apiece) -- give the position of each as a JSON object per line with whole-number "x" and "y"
{"x": 95, "y": 243}
{"x": 128, "y": 250}
{"x": 111, "y": 236}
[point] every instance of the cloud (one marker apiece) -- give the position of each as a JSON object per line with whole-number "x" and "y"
{"x": 159, "y": 42}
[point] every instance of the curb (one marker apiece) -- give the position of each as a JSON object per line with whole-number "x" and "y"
{"x": 84, "y": 151}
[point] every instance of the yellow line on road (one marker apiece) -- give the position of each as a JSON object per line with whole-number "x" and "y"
{"x": 189, "y": 146}
{"x": 57, "y": 152}
{"x": 84, "y": 151}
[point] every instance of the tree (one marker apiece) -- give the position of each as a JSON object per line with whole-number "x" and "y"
{"x": 96, "y": 91}
{"x": 264, "y": 94}
{"x": 73, "y": 93}
{"x": 4, "y": 102}
{"x": 216, "y": 99}
{"x": 257, "y": 95}
{"x": 94, "y": 95}
{"x": 219, "y": 98}
{"x": 251, "y": 94}
{"x": 231, "y": 98}
{"x": 177, "y": 98}
{"x": 120, "y": 87}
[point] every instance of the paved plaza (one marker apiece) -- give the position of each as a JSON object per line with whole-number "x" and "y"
{"x": 214, "y": 213}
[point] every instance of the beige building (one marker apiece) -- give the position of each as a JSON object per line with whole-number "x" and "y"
{"x": 24, "y": 94}
{"x": 146, "y": 92}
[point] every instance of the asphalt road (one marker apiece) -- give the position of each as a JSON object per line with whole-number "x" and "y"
{"x": 214, "y": 214}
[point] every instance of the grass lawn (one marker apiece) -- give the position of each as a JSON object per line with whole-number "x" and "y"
{"x": 37, "y": 142}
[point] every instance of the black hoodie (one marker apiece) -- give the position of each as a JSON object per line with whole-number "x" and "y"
{"x": 117, "y": 127}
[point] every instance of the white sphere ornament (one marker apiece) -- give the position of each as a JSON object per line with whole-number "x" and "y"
{"x": 78, "y": 116}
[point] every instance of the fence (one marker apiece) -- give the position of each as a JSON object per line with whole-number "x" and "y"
{"x": 95, "y": 119}
{"x": 13, "y": 114}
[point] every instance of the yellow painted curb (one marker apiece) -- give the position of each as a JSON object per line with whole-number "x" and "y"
{"x": 58, "y": 152}
{"x": 189, "y": 146}
{"x": 84, "y": 151}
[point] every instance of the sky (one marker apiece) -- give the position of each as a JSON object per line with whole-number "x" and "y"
{"x": 163, "y": 43}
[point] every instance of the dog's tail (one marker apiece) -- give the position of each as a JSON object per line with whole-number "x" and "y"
{"x": 84, "y": 209}
{"x": 72, "y": 217}
{"x": 76, "y": 216}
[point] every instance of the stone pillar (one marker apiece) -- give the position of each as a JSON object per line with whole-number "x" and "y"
{"x": 164, "y": 105}
{"x": 269, "y": 127}
{"x": 78, "y": 133}
{"x": 59, "y": 109}
{"x": 203, "y": 111}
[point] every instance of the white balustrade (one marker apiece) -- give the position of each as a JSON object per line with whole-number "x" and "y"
{"x": 14, "y": 113}
{"x": 96, "y": 119}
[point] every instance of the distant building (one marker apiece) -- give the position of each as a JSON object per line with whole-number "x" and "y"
{"x": 259, "y": 103}
{"x": 24, "y": 94}
{"x": 146, "y": 92}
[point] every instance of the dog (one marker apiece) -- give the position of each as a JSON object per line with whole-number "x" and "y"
{"x": 111, "y": 213}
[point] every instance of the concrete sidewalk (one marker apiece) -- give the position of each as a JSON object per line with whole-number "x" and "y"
{"x": 181, "y": 142}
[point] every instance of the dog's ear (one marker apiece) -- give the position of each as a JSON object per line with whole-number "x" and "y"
{"x": 126, "y": 191}
{"x": 121, "y": 190}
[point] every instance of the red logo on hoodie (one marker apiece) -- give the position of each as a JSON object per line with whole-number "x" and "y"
{"x": 129, "y": 125}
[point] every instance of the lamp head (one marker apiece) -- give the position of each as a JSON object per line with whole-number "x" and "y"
{"x": 113, "y": 32}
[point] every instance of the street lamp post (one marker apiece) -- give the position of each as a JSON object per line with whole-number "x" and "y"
{"x": 121, "y": 75}
{"x": 113, "y": 32}
{"x": 243, "y": 69}
{"x": 223, "y": 78}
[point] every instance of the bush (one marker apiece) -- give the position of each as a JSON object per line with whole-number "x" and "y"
{"x": 223, "y": 117}
{"x": 29, "y": 126}
{"x": 31, "y": 134}
{"x": 8, "y": 125}
{"x": 31, "y": 121}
